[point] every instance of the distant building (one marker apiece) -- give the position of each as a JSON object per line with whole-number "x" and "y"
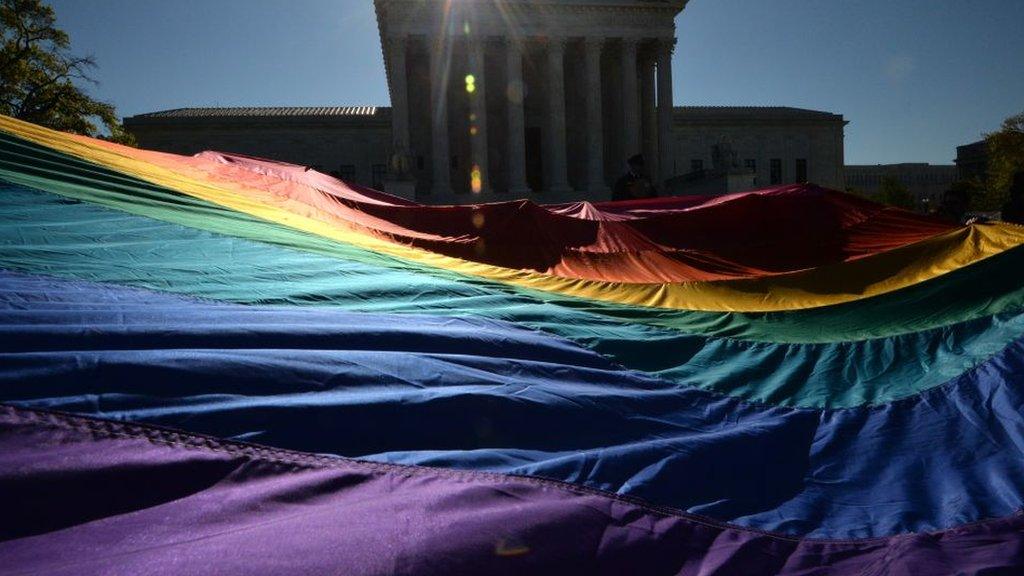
{"x": 775, "y": 145}
{"x": 528, "y": 96}
{"x": 925, "y": 182}
{"x": 972, "y": 160}
{"x": 771, "y": 145}
{"x": 351, "y": 142}
{"x": 495, "y": 99}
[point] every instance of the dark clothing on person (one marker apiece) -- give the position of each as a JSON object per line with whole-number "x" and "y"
{"x": 953, "y": 214}
{"x": 1013, "y": 211}
{"x": 953, "y": 208}
{"x": 631, "y": 186}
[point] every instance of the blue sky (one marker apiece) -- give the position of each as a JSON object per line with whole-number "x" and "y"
{"x": 915, "y": 78}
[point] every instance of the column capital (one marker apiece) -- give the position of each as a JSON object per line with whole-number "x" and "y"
{"x": 594, "y": 42}
{"x": 631, "y": 42}
{"x": 398, "y": 42}
{"x": 557, "y": 42}
{"x": 666, "y": 45}
{"x": 509, "y": 43}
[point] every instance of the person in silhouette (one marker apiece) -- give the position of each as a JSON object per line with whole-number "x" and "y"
{"x": 634, "y": 184}
{"x": 1013, "y": 210}
{"x": 954, "y": 205}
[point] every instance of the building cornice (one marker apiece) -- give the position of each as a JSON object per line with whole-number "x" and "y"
{"x": 370, "y": 115}
{"x": 264, "y": 117}
{"x": 533, "y": 19}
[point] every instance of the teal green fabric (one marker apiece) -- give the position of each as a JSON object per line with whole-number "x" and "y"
{"x": 983, "y": 289}
{"x": 50, "y": 234}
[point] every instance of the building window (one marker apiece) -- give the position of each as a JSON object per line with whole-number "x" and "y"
{"x": 750, "y": 164}
{"x": 776, "y": 171}
{"x": 696, "y": 165}
{"x": 347, "y": 172}
{"x": 378, "y": 171}
{"x": 801, "y": 169}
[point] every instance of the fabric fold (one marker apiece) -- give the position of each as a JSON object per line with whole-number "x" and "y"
{"x": 477, "y": 394}
{"x": 242, "y": 509}
{"x": 927, "y": 258}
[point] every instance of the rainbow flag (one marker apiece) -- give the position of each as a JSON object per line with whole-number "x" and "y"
{"x": 224, "y": 365}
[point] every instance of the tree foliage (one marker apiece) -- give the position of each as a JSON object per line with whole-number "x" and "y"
{"x": 1005, "y": 158}
{"x": 894, "y": 193}
{"x": 40, "y": 79}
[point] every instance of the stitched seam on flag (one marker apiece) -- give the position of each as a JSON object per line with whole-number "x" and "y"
{"x": 100, "y": 427}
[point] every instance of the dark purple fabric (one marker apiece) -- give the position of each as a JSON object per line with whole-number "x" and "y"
{"x": 84, "y": 496}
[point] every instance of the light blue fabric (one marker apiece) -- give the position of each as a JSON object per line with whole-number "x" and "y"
{"x": 44, "y": 233}
{"x": 484, "y": 395}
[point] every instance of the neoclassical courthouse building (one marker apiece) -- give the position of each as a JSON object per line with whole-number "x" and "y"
{"x": 499, "y": 99}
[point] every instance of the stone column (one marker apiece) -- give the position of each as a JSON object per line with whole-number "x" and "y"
{"x": 648, "y": 115}
{"x": 478, "y": 119}
{"x": 400, "y": 181}
{"x": 441, "y": 158}
{"x": 630, "y": 99}
{"x": 399, "y": 96}
{"x": 558, "y": 172}
{"x": 595, "y": 132}
{"x": 515, "y": 92}
{"x": 665, "y": 109}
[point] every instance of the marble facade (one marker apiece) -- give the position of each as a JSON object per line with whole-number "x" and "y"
{"x": 542, "y": 96}
{"x": 501, "y": 99}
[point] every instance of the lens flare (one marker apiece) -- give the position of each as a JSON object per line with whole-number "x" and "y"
{"x": 476, "y": 181}
{"x": 470, "y": 83}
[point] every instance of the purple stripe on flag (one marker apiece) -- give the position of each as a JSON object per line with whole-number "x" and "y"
{"x": 85, "y": 496}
